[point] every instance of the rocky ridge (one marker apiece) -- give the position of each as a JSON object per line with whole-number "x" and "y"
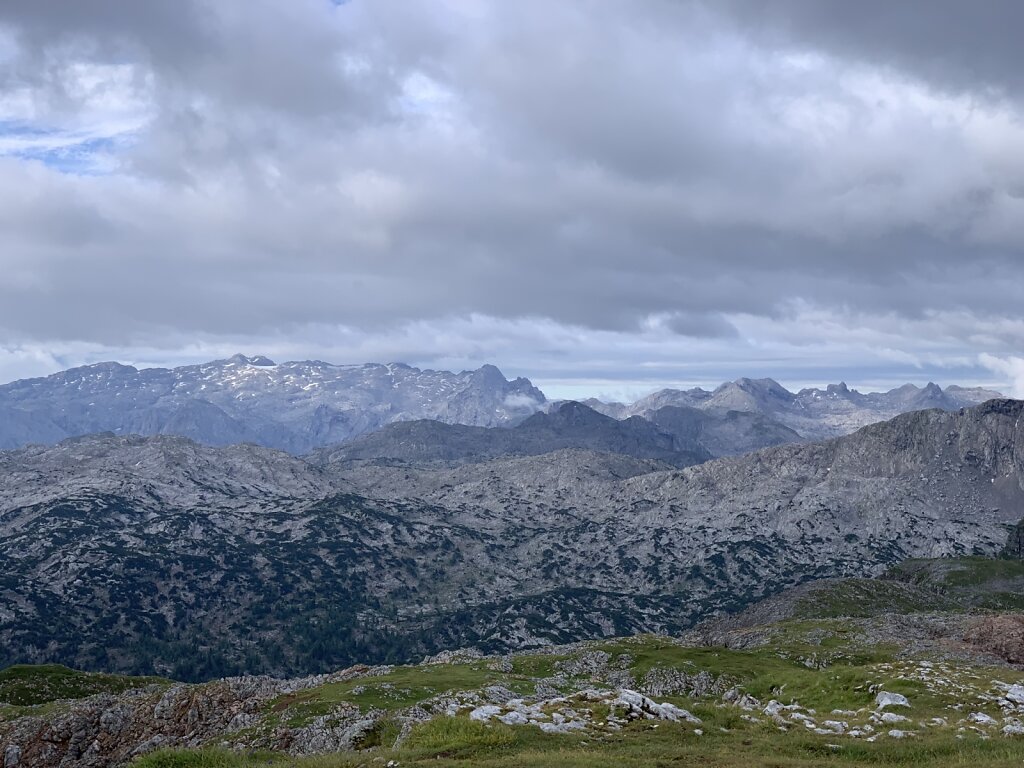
{"x": 569, "y": 426}
{"x": 300, "y": 406}
{"x": 294, "y": 406}
{"x": 814, "y": 413}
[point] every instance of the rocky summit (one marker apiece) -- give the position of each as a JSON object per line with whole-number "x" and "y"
{"x": 293, "y": 406}
{"x": 162, "y": 556}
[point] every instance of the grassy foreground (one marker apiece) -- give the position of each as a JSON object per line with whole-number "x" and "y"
{"x": 911, "y": 671}
{"x": 820, "y": 664}
{"x": 461, "y": 742}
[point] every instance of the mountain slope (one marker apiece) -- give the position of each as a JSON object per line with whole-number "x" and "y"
{"x": 293, "y": 406}
{"x": 159, "y": 555}
{"x": 570, "y": 425}
{"x": 722, "y": 433}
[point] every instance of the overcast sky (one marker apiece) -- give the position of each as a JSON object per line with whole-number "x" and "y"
{"x": 605, "y": 196}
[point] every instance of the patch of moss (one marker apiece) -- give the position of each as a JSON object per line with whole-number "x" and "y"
{"x": 401, "y": 688}
{"x": 30, "y": 685}
{"x": 206, "y": 758}
{"x": 870, "y": 597}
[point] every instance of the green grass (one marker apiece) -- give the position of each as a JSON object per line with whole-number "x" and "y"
{"x": 971, "y": 571}
{"x": 458, "y": 743}
{"x": 453, "y": 736}
{"x": 824, "y": 663}
{"x": 1002, "y": 601}
{"x": 776, "y": 670}
{"x": 26, "y": 685}
{"x": 870, "y": 597}
{"x": 401, "y": 688}
{"x": 536, "y": 665}
{"x": 960, "y": 572}
{"x": 206, "y": 758}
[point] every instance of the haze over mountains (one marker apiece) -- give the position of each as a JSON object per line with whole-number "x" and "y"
{"x": 299, "y": 406}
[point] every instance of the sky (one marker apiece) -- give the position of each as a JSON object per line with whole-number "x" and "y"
{"x": 609, "y": 197}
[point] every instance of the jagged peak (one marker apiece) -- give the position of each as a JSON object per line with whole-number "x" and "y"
{"x": 487, "y": 372}
{"x": 257, "y": 360}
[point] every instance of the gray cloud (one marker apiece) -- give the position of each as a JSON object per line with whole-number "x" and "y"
{"x": 657, "y": 172}
{"x": 953, "y": 45}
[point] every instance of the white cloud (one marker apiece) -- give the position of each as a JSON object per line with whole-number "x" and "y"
{"x": 1012, "y": 368}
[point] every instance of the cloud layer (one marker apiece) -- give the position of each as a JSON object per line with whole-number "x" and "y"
{"x": 587, "y": 192}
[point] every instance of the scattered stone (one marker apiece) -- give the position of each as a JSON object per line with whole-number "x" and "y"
{"x": 564, "y": 727}
{"x": 888, "y": 699}
{"x": 485, "y": 712}
{"x": 460, "y": 656}
{"x": 639, "y": 706}
{"x": 1015, "y": 694}
{"x": 891, "y": 718}
{"x": 513, "y": 718}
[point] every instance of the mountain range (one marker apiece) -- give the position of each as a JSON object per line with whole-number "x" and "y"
{"x": 293, "y": 406}
{"x": 158, "y": 554}
{"x": 813, "y": 413}
{"x": 301, "y": 406}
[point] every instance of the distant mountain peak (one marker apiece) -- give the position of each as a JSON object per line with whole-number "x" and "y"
{"x": 258, "y": 360}
{"x": 812, "y": 413}
{"x": 295, "y": 406}
{"x": 576, "y": 412}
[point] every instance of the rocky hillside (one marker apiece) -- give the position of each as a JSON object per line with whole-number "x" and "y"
{"x": 813, "y": 413}
{"x": 899, "y": 684}
{"x": 161, "y": 556}
{"x": 293, "y": 406}
{"x": 722, "y": 433}
{"x": 569, "y": 426}
{"x": 679, "y": 436}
